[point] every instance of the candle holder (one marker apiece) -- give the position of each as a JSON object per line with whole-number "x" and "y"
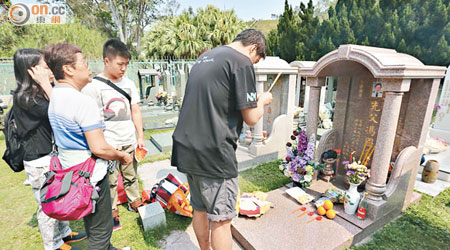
{"x": 328, "y": 171}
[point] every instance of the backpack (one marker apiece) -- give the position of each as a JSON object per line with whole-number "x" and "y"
{"x": 163, "y": 190}
{"x": 15, "y": 149}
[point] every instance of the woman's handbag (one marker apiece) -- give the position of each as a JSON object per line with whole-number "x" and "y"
{"x": 67, "y": 194}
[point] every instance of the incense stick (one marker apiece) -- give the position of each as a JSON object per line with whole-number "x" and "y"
{"x": 273, "y": 84}
{"x": 362, "y": 153}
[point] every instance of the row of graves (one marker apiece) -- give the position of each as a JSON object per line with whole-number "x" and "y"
{"x": 383, "y": 107}
{"x": 164, "y": 85}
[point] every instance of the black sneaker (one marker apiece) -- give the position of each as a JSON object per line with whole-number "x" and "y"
{"x": 74, "y": 237}
{"x": 116, "y": 224}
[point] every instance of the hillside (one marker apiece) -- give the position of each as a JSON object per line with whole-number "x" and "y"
{"x": 263, "y": 25}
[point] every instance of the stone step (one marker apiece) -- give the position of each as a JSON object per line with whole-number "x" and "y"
{"x": 152, "y": 149}
{"x": 433, "y": 189}
{"x": 246, "y": 160}
{"x": 162, "y": 141}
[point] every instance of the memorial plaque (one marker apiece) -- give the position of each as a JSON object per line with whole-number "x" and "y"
{"x": 363, "y": 114}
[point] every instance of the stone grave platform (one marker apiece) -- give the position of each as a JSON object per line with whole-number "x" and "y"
{"x": 279, "y": 228}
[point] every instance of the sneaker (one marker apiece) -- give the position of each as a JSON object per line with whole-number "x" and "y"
{"x": 75, "y": 237}
{"x": 67, "y": 247}
{"x": 116, "y": 224}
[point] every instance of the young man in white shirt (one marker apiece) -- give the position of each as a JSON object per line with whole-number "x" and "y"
{"x": 123, "y": 119}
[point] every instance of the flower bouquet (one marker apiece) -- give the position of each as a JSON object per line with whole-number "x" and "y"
{"x": 161, "y": 97}
{"x": 356, "y": 172}
{"x": 300, "y": 153}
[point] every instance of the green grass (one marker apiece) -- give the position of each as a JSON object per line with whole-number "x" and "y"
{"x": 423, "y": 226}
{"x": 265, "y": 177}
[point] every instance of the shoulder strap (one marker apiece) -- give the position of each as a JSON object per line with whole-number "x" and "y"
{"x": 112, "y": 85}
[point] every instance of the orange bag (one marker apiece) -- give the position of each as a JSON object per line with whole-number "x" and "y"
{"x": 179, "y": 202}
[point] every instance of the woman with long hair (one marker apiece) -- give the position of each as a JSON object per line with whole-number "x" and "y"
{"x": 30, "y": 106}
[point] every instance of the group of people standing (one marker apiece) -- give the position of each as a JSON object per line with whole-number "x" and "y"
{"x": 84, "y": 116}
{"x": 80, "y": 120}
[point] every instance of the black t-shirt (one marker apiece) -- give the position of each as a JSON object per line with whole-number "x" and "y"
{"x": 220, "y": 85}
{"x": 33, "y": 127}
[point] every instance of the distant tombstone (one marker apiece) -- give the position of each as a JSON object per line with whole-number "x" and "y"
{"x": 180, "y": 85}
{"x": 441, "y": 128}
{"x": 166, "y": 81}
{"x": 148, "y": 84}
{"x": 277, "y": 121}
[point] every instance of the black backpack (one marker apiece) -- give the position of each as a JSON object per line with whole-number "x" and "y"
{"x": 15, "y": 151}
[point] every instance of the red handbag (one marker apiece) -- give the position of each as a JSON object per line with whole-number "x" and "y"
{"x": 67, "y": 194}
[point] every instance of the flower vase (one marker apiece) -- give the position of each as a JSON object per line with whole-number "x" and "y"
{"x": 352, "y": 198}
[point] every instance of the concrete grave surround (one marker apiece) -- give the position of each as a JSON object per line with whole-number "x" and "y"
{"x": 395, "y": 124}
{"x": 441, "y": 128}
{"x": 279, "y": 115}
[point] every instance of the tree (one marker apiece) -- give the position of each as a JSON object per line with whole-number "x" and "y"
{"x": 125, "y": 19}
{"x": 419, "y": 28}
{"x": 14, "y": 37}
{"x": 189, "y": 33}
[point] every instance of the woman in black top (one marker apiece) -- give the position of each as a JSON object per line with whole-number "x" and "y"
{"x": 30, "y": 105}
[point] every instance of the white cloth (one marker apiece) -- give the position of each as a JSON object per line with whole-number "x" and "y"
{"x": 115, "y": 109}
{"x": 69, "y": 158}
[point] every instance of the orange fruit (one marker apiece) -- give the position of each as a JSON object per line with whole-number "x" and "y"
{"x": 321, "y": 210}
{"x": 328, "y": 205}
{"x": 331, "y": 214}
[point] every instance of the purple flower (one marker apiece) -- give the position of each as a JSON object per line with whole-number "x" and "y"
{"x": 295, "y": 132}
{"x": 288, "y": 144}
{"x": 295, "y": 177}
{"x": 293, "y": 137}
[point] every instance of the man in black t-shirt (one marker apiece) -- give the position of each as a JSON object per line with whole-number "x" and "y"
{"x": 220, "y": 96}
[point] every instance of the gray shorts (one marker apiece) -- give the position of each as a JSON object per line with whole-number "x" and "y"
{"x": 215, "y": 196}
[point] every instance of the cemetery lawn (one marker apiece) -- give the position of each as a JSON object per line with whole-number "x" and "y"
{"x": 423, "y": 226}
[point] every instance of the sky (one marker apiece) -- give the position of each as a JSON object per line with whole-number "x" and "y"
{"x": 244, "y": 9}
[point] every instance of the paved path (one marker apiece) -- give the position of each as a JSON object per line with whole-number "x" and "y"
{"x": 151, "y": 173}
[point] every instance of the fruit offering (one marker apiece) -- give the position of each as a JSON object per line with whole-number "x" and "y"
{"x": 328, "y": 205}
{"x": 331, "y": 214}
{"x": 321, "y": 210}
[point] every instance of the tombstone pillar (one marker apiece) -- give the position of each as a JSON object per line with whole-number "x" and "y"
{"x": 315, "y": 85}
{"x": 258, "y": 128}
{"x": 393, "y": 91}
